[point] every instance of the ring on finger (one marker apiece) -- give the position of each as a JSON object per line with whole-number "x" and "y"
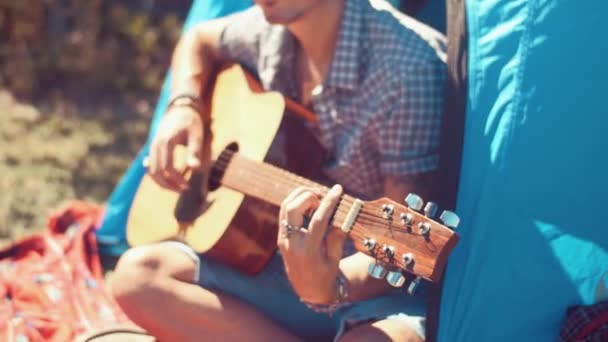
{"x": 146, "y": 162}
{"x": 289, "y": 228}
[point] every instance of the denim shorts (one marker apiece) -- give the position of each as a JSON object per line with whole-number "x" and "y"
{"x": 270, "y": 292}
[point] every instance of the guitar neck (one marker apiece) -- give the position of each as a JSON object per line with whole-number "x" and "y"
{"x": 268, "y": 182}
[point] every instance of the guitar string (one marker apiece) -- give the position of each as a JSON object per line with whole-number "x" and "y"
{"x": 422, "y": 257}
{"x": 294, "y": 182}
{"x": 289, "y": 176}
{"x": 364, "y": 218}
{"x": 372, "y": 218}
{"x": 356, "y": 232}
{"x": 375, "y": 222}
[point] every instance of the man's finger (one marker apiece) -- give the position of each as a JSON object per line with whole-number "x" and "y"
{"x": 172, "y": 176}
{"x": 296, "y": 208}
{"x": 163, "y": 161}
{"x": 157, "y": 168}
{"x": 291, "y": 215}
{"x": 153, "y": 167}
{"x": 195, "y": 147}
{"x": 320, "y": 219}
{"x": 293, "y": 194}
{"x": 335, "y": 245}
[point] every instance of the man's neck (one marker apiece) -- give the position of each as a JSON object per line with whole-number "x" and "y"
{"x": 317, "y": 33}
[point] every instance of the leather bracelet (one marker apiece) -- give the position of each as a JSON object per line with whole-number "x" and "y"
{"x": 341, "y": 301}
{"x": 193, "y": 101}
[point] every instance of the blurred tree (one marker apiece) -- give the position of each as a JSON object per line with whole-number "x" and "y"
{"x": 86, "y": 49}
{"x": 78, "y": 79}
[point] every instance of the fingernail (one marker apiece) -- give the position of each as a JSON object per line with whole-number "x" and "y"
{"x": 193, "y": 162}
{"x": 336, "y": 189}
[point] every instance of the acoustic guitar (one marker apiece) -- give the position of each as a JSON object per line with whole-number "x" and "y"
{"x": 259, "y": 149}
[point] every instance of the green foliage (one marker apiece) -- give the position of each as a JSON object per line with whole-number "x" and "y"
{"x": 78, "y": 83}
{"x": 83, "y": 46}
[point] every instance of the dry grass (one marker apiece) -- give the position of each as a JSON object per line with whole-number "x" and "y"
{"x": 53, "y": 154}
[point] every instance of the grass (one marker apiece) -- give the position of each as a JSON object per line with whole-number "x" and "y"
{"x": 54, "y": 153}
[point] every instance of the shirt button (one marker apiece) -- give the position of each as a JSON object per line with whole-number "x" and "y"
{"x": 334, "y": 114}
{"x": 317, "y": 90}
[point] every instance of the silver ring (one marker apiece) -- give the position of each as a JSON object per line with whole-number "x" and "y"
{"x": 145, "y": 162}
{"x": 290, "y": 228}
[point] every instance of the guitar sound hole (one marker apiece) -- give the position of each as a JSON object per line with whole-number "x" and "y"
{"x": 218, "y": 168}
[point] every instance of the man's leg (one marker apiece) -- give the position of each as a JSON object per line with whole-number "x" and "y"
{"x": 384, "y": 330}
{"x": 154, "y": 286}
{"x": 395, "y": 316}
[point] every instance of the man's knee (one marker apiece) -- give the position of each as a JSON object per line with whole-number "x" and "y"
{"x": 384, "y": 330}
{"x": 144, "y": 271}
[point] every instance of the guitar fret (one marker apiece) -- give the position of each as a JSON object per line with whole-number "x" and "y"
{"x": 271, "y": 184}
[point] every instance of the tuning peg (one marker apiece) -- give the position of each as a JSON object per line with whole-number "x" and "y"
{"x": 414, "y": 201}
{"x": 425, "y": 228}
{"x": 370, "y": 244}
{"x": 376, "y": 270}
{"x": 395, "y": 278}
{"x": 450, "y": 219}
{"x": 407, "y": 259}
{"x": 388, "y": 250}
{"x": 407, "y": 219}
{"x": 414, "y": 285}
{"x": 388, "y": 209}
{"x": 430, "y": 209}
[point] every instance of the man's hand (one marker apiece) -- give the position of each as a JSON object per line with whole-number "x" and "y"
{"x": 181, "y": 125}
{"x": 311, "y": 259}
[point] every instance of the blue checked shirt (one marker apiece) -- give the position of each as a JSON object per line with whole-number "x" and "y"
{"x": 379, "y": 108}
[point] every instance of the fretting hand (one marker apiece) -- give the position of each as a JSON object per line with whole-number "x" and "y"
{"x": 311, "y": 255}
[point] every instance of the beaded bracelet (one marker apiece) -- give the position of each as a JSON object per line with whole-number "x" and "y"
{"x": 341, "y": 301}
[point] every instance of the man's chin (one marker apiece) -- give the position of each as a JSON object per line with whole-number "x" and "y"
{"x": 277, "y": 20}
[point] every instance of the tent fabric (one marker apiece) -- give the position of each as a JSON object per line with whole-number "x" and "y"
{"x": 111, "y": 235}
{"x": 533, "y": 178}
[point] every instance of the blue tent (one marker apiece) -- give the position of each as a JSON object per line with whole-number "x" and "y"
{"x": 534, "y": 178}
{"x": 111, "y": 234}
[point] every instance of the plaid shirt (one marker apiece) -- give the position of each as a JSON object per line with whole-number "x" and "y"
{"x": 586, "y": 323}
{"x": 379, "y": 107}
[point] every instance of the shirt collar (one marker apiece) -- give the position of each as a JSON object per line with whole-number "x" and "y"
{"x": 344, "y": 68}
{"x": 279, "y": 60}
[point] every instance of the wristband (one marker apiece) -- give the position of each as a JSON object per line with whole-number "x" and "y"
{"x": 187, "y": 100}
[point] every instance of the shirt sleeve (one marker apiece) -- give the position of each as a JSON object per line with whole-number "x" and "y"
{"x": 241, "y": 38}
{"x": 409, "y": 136}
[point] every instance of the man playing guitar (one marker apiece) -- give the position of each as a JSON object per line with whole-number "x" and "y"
{"x": 374, "y": 78}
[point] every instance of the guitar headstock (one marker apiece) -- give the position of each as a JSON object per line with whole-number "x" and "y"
{"x": 403, "y": 238}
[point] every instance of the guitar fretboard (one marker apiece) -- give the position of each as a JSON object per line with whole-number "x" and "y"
{"x": 268, "y": 182}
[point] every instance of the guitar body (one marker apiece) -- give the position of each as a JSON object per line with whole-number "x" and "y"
{"x": 235, "y": 229}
